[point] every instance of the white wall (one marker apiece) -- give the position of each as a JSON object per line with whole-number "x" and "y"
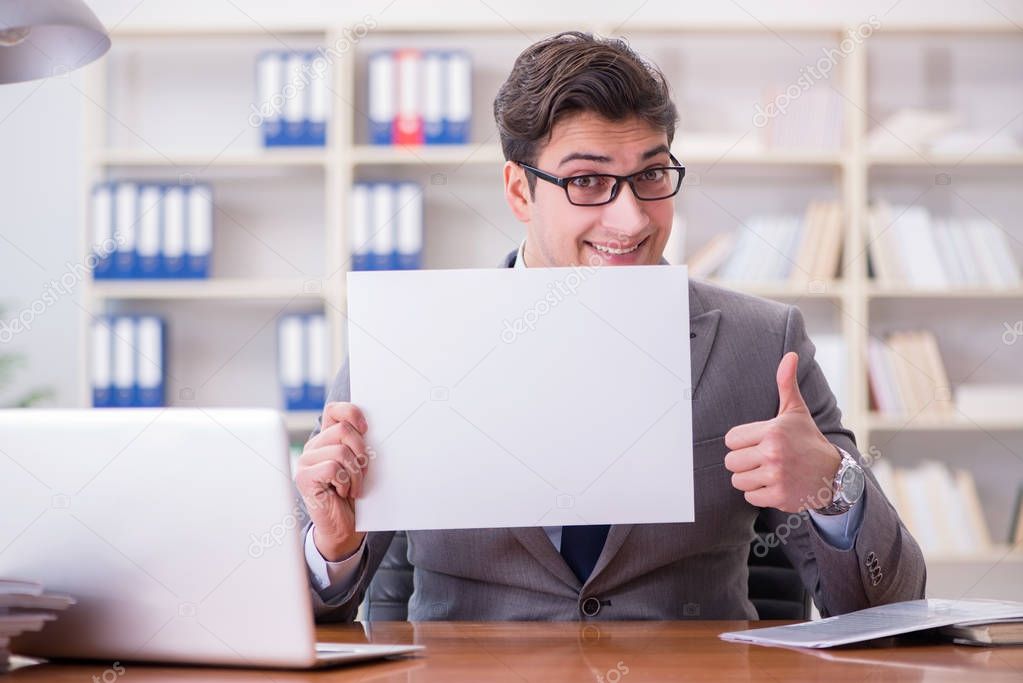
{"x": 40, "y": 126}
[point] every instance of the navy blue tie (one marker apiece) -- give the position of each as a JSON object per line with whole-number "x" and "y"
{"x": 581, "y": 546}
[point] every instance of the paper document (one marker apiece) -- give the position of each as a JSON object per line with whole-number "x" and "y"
{"x": 880, "y": 622}
{"x": 523, "y": 397}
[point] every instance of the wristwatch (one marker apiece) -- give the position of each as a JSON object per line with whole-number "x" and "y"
{"x": 847, "y": 488}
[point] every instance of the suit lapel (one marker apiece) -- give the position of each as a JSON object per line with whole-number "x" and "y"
{"x": 535, "y": 540}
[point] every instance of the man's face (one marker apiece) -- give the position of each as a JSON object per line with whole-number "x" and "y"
{"x": 559, "y": 233}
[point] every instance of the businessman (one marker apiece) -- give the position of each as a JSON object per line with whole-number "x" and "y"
{"x": 586, "y": 128}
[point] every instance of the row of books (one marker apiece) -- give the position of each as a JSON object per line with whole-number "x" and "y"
{"x": 387, "y": 226}
{"x": 419, "y": 97}
{"x": 292, "y": 101}
{"x": 938, "y": 131}
{"x": 776, "y": 248}
{"x": 939, "y": 506}
{"x": 907, "y": 375}
{"x": 128, "y": 362}
{"x": 151, "y": 230}
{"x": 909, "y": 247}
{"x": 25, "y": 608}
{"x": 302, "y": 350}
{"x": 809, "y": 119}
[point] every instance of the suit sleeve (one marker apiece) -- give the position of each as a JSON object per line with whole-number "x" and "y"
{"x": 885, "y": 563}
{"x": 345, "y": 606}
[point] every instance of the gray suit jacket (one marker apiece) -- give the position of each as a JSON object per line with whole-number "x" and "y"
{"x": 655, "y": 571}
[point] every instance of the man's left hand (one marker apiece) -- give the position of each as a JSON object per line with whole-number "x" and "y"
{"x": 785, "y": 462}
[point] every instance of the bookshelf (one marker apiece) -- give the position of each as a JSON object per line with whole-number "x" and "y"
{"x": 163, "y": 118}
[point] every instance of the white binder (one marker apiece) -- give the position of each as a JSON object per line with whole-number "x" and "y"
{"x": 360, "y": 238}
{"x": 149, "y": 361}
{"x": 290, "y": 361}
{"x": 458, "y": 86}
{"x": 173, "y": 246}
{"x": 382, "y": 211}
{"x": 124, "y": 372}
{"x": 316, "y": 361}
{"x": 103, "y": 241}
{"x": 319, "y": 102}
{"x": 295, "y": 92}
{"x": 269, "y": 81}
{"x": 199, "y": 243}
{"x": 434, "y": 97}
{"x": 125, "y": 226}
{"x": 102, "y": 376}
{"x": 410, "y": 226}
{"x": 149, "y": 229}
{"x": 382, "y": 97}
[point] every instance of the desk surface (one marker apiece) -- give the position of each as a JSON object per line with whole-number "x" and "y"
{"x": 605, "y": 652}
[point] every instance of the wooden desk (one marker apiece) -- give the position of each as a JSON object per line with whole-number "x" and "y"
{"x": 626, "y": 652}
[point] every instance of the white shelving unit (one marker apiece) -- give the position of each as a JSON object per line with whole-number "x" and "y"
{"x": 468, "y": 224}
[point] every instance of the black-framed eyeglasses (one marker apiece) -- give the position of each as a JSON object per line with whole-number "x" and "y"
{"x": 596, "y": 189}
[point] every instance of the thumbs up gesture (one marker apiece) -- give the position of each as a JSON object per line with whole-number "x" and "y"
{"x": 785, "y": 462}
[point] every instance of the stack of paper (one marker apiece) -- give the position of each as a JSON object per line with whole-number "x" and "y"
{"x": 24, "y": 607}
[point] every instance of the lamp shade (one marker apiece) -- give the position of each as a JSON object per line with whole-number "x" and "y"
{"x": 40, "y": 38}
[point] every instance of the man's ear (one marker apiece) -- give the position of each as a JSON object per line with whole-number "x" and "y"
{"x": 516, "y": 191}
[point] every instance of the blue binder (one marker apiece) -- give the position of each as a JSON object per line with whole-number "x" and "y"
{"x": 269, "y": 100}
{"x": 104, "y": 243}
{"x": 199, "y": 241}
{"x": 101, "y": 370}
{"x": 175, "y": 226}
{"x": 125, "y": 374}
{"x": 150, "y": 232}
{"x": 125, "y": 227}
{"x": 383, "y": 97}
{"x": 149, "y": 361}
{"x": 360, "y": 235}
{"x": 291, "y": 361}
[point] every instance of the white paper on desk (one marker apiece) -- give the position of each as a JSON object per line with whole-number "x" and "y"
{"x": 523, "y": 397}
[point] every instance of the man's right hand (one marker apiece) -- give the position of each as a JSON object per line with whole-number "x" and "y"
{"x": 329, "y": 478}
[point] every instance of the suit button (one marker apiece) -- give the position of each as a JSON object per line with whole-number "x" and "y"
{"x": 871, "y": 558}
{"x": 591, "y": 607}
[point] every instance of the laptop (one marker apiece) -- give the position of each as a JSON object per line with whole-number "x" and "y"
{"x": 177, "y": 530}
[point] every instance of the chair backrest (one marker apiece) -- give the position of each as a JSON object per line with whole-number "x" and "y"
{"x": 775, "y": 588}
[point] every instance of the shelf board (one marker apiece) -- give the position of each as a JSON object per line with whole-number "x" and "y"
{"x": 997, "y": 553}
{"x": 946, "y": 160}
{"x": 928, "y": 423}
{"x": 486, "y": 153}
{"x": 412, "y": 155}
{"x": 833, "y": 289}
{"x": 211, "y": 289}
{"x": 268, "y": 158}
{"x": 300, "y": 421}
{"x": 768, "y": 157}
{"x": 888, "y": 292}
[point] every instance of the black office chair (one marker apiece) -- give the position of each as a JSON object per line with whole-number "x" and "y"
{"x": 775, "y": 588}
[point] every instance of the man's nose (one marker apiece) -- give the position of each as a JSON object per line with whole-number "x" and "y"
{"x": 626, "y": 213}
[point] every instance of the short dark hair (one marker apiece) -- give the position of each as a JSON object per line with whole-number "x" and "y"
{"x": 574, "y": 72}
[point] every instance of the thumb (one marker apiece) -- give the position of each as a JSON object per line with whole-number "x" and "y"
{"x": 789, "y": 398}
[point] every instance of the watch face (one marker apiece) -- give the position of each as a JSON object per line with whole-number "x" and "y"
{"x": 852, "y": 484}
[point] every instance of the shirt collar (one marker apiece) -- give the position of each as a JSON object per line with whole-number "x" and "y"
{"x": 520, "y": 258}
